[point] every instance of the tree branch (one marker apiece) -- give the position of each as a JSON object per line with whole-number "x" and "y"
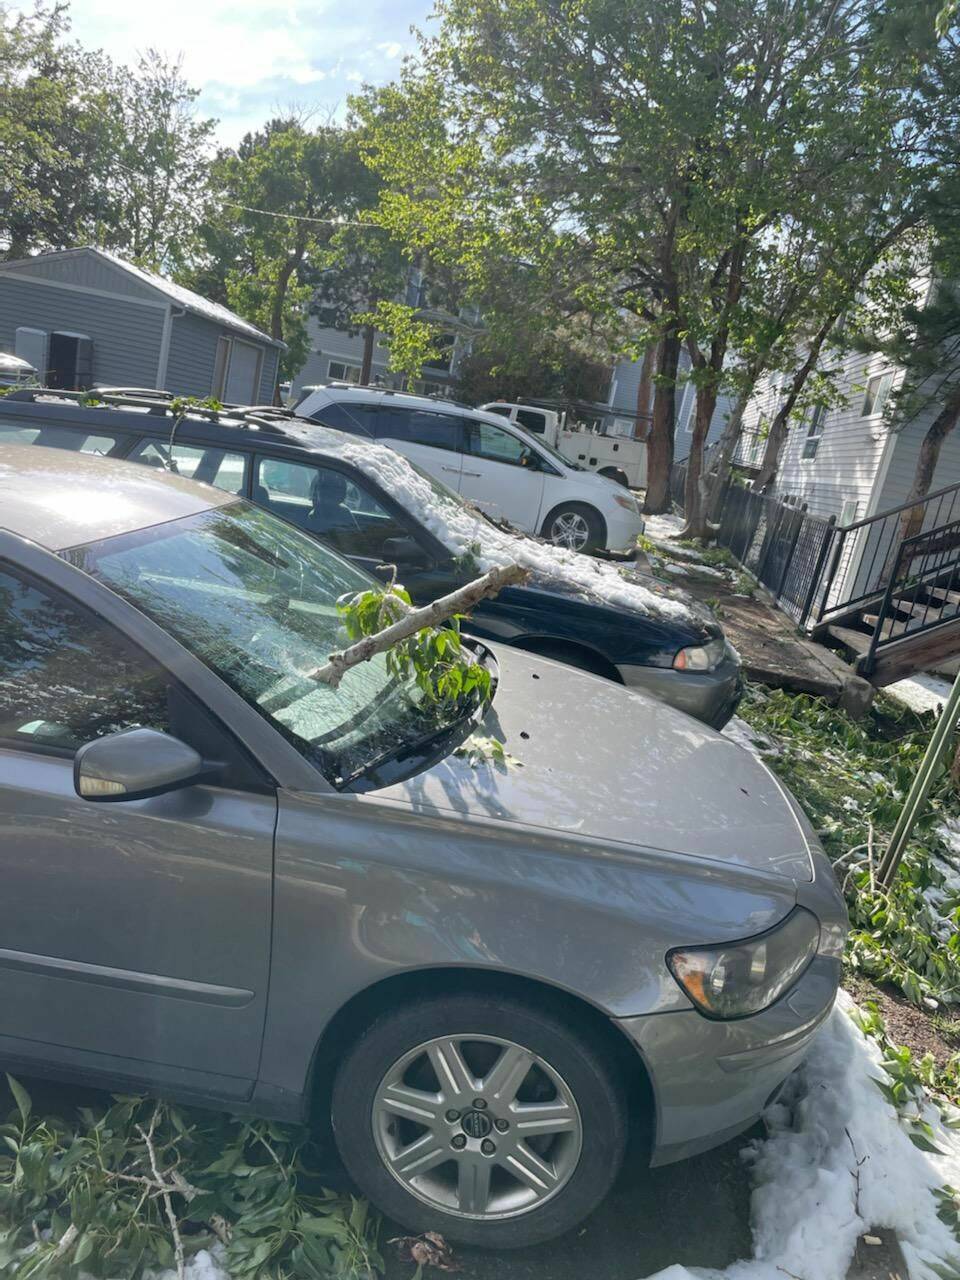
{"x": 459, "y": 601}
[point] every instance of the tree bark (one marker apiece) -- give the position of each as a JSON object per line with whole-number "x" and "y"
{"x": 694, "y": 493}
{"x": 912, "y": 520}
{"x": 717, "y": 477}
{"x": 366, "y": 363}
{"x": 778, "y": 428}
{"x": 641, "y": 427}
{"x": 660, "y": 440}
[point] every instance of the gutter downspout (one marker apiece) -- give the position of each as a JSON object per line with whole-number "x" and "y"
{"x": 165, "y": 336}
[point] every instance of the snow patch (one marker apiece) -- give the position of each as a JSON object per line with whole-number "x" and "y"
{"x": 836, "y": 1163}
{"x": 661, "y": 528}
{"x": 921, "y": 692}
{"x": 464, "y": 532}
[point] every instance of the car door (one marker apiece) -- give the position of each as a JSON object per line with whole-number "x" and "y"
{"x": 135, "y": 936}
{"x": 502, "y": 474}
{"x": 435, "y": 441}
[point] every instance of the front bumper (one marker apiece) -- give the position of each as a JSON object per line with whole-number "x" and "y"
{"x": 623, "y": 528}
{"x": 711, "y": 1080}
{"x": 710, "y": 696}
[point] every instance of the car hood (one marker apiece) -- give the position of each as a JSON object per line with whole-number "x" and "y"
{"x": 588, "y": 758}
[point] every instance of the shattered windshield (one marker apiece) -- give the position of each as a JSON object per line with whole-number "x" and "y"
{"x": 256, "y": 601}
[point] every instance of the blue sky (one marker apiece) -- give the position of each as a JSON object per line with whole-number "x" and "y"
{"x": 251, "y": 57}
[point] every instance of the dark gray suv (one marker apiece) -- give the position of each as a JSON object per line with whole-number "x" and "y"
{"x": 228, "y": 882}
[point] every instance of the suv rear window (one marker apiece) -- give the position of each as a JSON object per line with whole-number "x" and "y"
{"x": 75, "y": 439}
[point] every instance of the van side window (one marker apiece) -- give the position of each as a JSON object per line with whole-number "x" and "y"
{"x": 484, "y": 440}
{"x": 420, "y": 426}
{"x": 356, "y": 419}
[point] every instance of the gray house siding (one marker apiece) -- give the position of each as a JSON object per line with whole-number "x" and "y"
{"x": 346, "y": 348}
{"x": 83, "y": 271}
{"x": 193, "y": 353}
{"x": 126, "y": 334}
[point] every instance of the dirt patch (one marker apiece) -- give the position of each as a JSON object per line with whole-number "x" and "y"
{"x": 905, "y": 1023}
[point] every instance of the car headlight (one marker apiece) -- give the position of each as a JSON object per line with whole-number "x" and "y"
{"x": 742, "y": 978}
{"x": 701, "y": 657}
{"x": 628, "y": 503}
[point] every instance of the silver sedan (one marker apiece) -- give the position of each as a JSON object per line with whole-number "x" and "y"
{"x": 228, "y": 882}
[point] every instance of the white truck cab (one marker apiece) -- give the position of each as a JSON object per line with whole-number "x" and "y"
{"x": 617, "y": 457}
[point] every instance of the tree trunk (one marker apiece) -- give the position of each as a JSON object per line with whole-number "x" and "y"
{"x": 660, "y": 440}
{"x": 694, "y": 493}
{"x": 641, "y": 427}
{"x": 778, "y": 428}
{"x": 366, "y": 363}
{"x": 912, "y": 520}
{"x": 718, "y": 475}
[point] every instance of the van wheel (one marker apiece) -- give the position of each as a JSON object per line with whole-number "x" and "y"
{"x": 484, "y": 1119}
{"x": 575, "y": 526}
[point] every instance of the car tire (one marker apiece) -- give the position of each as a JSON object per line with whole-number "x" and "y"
{"x": 575, "y": 526}
{"x": 465, "y": 1187}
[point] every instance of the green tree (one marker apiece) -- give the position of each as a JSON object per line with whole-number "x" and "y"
{"x": 635, "y": 162}
{"x": 55, "y": 106}
{"x": 278, "y": 200}
{"x": 555, "y": 369}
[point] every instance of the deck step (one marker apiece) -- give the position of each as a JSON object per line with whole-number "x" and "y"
{"x": 858, "y": 641}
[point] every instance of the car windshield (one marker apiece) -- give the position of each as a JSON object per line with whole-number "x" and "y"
{"x": 256, "y": 600}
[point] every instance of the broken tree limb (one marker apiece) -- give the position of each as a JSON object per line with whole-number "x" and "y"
{"x": 460, "y": 601}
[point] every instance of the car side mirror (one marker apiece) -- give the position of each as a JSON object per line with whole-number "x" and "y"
{"x": 404, "y": 552}
{"x": 134, "y": 764}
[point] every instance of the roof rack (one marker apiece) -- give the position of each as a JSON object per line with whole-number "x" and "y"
{"x": 257, "y": 417}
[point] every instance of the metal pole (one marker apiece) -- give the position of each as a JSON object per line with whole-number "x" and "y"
{"x": 920, "y": 790}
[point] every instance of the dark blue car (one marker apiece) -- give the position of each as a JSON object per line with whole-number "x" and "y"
{"x": 375, "y": 507}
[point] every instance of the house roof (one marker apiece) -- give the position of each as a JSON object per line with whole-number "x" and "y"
{"x": 176, "y": 293}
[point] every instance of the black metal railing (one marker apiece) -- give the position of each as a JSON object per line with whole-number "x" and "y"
{"x": 921, "y": 593}
{"x": 863, "y": 555}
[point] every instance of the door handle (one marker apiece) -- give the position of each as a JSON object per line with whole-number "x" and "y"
{"x": 477, "y": 474}
{"x": 456, "y": 469}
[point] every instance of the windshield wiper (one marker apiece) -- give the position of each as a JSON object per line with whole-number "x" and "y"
{"x": 424, "y": 745}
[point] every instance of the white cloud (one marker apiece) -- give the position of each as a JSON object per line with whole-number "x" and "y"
{"x": 251, "y": 58}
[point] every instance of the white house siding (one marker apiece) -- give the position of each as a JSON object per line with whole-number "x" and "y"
{"x": 126, "y": 333}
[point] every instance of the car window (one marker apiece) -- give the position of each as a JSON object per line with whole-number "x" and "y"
{"x": 342, "y": 510}
{"x": 503, "y": 410}
{"x": 357, "y": 419}
{"x": 220, "y": 467}
{"x": 58, "y": 438}
{"x": 65, "y": 676}
{"x": 420, "y": 426}
{"x": 532, "y": 420}
{"x": 484, "y": 440}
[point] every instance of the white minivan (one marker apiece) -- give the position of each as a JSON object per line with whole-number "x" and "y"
{"x": 494, "y": 463}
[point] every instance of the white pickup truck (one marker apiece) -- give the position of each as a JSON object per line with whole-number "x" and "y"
{"x": 619, "y": 457}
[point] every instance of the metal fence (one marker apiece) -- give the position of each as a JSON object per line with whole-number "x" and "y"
{"x": 783, "y": 546}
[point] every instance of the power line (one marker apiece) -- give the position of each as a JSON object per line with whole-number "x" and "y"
{"x": 299, "y": 217}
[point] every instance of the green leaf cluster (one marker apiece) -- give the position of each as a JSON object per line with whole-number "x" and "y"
{"x": 436, "y": 658}
{"x": 79, "y": 1194}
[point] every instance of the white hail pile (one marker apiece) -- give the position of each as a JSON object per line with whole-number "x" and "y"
{"x": 465, "y": 533}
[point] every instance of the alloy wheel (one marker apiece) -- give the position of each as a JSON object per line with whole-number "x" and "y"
{"x": 477, "y": 1126}
{"x": 570, "y": 529}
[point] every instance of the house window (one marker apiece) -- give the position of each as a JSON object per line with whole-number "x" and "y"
{"x": 878, "y": 388}
{"x": 848, "y": 512}
{"x": 814, "y": 432}
{"x": 339, "y": 371}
